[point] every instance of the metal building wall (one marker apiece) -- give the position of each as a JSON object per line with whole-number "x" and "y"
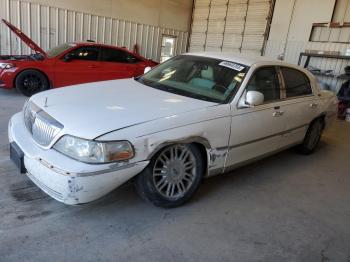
{"x": 237, "y": 26}
{"x": 49, "y": 26}
{"x": 330, "y": 34}
{"x": 341, "y": 11}
{"x": 290, "y": 34}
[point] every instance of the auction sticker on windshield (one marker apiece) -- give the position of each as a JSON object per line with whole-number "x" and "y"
{"x": 232, "y": 65}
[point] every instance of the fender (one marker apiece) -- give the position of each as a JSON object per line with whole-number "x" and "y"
{"x": 188, "y": 140}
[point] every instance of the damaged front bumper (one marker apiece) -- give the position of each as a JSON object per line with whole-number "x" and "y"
{"x": 65, "y": 179}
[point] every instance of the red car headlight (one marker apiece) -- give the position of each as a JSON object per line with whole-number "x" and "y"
{"x": 6, "y": 65}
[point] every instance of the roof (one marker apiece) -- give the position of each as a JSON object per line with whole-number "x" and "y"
{"x": 241, "y": 59}
{"x": 92, "y": 43}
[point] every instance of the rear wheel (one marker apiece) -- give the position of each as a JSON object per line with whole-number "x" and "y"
{"x": 30, "y": 82}
{"x": 312, "y": 137}
{"x": 172, "y": 177}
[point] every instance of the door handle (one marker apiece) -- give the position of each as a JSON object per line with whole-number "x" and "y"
{"x": 277, "y": 113}
{"x": 92, "y": 66}
{"x": 313, "y": 105}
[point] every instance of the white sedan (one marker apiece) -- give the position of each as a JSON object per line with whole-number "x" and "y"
{"x": 194, "y": 116}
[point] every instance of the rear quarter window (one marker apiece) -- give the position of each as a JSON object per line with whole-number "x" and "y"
{"x": 296, "y": 82}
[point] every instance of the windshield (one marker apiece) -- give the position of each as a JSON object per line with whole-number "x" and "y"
{"x": 58, "y": 50}
{"x": 198, "y": 77}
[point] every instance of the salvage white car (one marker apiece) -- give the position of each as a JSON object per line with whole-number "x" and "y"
{"x": 194, "y": 116}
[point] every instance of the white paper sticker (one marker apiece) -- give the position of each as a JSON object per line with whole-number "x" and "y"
{"x": 232, "y": 65}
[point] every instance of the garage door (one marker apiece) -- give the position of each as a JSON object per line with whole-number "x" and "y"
{"x": 230, "y": 25}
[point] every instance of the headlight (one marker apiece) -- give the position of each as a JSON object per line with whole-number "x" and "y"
{"x": 94, "y": 152}
{"x": 6, "y": 65}
{"x": 29, "y": 112}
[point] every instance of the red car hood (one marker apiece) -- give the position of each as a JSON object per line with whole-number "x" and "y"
{"x": 25, "y": 38}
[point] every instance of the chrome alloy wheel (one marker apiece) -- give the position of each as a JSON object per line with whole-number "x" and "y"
{"x": 174, "y": 172}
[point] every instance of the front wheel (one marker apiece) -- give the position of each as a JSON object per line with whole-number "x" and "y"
{"x": 172, "y": 177}
{"x": 30, "y": 82}
{"x": 312, "y": 137}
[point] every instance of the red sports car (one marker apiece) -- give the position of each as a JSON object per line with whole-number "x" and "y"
{"x": 67, "y": 64}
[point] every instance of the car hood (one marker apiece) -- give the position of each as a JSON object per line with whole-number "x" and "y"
{"x": 91, "y": 110}
{"x": 25, "y": 38}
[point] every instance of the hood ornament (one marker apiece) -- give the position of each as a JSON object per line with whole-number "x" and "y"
{"x": 45, "y": 105}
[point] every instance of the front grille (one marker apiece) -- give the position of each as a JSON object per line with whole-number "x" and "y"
{"x": 42, "y": 126}
{"x": 44, "y": 130}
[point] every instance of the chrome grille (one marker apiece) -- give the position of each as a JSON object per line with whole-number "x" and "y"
{"x": 42, "y": 126}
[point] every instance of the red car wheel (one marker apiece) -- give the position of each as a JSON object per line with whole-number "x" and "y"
{"x": 30, "y": 82}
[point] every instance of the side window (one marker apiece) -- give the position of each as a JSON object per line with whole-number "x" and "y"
{"x": 117, "y": 56}
{"x": 131, "y": 59}
{"x": 297, "y": 83}
{"x": 88, "y": 53}
{"x": 265, "y": 80}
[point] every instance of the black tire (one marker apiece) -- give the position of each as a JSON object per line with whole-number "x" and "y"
{"x": 312, "y": 137}
{"x": 30, "y": 82}
{"x": 147, "y": 181}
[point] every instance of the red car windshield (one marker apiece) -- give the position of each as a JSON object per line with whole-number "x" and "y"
{"x": 59, "y": 50}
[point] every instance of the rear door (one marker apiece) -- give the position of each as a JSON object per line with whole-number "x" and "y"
{"x": 301, "y": 105}
{"x": 81, "y": 66}
{"x": 257, "y": 131}
{"x": 119, "y": 64}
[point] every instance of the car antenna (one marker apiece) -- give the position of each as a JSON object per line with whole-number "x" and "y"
{"x": 45, "y": 105}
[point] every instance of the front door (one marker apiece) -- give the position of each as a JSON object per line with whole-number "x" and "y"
{"x": 79, "y": 66}
{"x": 257, "y": 131}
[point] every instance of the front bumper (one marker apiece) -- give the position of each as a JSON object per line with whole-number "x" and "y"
{"x": 67, "y": 180}
{"x": 6, "y": 79}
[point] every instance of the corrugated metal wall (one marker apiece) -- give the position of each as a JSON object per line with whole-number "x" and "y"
{"x": 342, "y": 11}
{"x": 293, "y": 49}
{"x": 330, "y": 34}
{"x": 49, "y": 26}
{"x": 230, "y": 25}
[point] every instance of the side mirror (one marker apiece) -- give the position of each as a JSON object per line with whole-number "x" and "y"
{"x": 147, "y": 69}
{"x": 254, "y": 98}
{"x": 67, "y": 58}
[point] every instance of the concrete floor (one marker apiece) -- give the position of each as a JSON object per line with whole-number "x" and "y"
{"x": 287, "y": 207}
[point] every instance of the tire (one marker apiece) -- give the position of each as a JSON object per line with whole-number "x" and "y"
{"x": 30, "y": 82}
{"x": 312, "y": 137}
{"x": 172, "y": 177}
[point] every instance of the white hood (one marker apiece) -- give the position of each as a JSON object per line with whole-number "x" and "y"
{"x": 91, "y": 110}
